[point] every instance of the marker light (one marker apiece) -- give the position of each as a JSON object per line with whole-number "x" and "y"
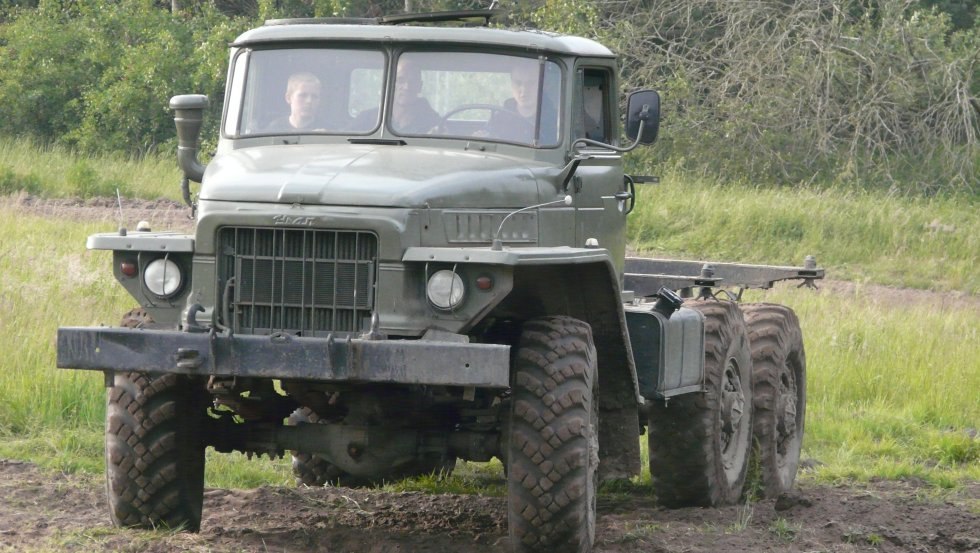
{"x": 484, "y": 283}
{"x": 128, "y": 268}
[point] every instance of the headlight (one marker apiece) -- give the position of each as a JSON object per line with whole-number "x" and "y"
{"x": 445, "y": 290}
{"x": 162, "y": 277}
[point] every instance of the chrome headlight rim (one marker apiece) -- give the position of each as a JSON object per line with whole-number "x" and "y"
{"x": 163, "y": 277}
{"x": 445, "y": 290}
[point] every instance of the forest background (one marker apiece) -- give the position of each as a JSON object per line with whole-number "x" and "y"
{"x": 868, "y": 94}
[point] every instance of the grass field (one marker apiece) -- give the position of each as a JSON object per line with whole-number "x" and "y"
{"x": 892, "y": 384}
{"x": 916, "y": 242}
{"x": 56, "y": 172}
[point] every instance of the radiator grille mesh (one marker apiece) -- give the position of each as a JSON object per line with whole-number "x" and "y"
{"x": 305, "y": 282}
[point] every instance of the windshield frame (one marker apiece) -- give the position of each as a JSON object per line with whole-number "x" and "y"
{"x": 244, "y": 80}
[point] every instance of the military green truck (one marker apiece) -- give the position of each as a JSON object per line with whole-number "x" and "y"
{"x": 410, "y": 250}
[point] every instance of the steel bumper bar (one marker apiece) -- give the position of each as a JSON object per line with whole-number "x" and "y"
{"x": 285, "y": 357}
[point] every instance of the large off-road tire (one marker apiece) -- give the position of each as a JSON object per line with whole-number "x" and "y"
{"x": 154, "y": 451}
{"x": 700, "y": 443}
{"x": 779, "y": 388}
{"x": 315, "y": 471}
{"x": 553, "y": 452}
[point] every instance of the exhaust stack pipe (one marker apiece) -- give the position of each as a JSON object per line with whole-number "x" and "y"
{"x": 188, "y": 117}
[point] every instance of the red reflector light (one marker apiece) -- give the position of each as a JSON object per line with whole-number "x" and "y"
{"x": 484, "y": 283}
{"x": 128, "y": 268}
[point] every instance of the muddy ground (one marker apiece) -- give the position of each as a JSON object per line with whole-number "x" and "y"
{"x": 58, "y": 512}
{"x": 43, "y": 511}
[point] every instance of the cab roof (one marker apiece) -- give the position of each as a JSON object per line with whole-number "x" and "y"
{"x": 530, "y": 41}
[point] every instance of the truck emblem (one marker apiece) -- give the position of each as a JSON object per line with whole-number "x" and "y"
{"x": 293, "y": 220}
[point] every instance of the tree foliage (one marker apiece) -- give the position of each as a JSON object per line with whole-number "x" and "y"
{"x": 883, "y": 93}
{"x": 877, "y": 92}
{"x": 98, "y": 74}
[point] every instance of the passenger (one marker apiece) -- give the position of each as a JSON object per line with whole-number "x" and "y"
{"x": 303, "y": 98}
{"x": 411, "y": 113}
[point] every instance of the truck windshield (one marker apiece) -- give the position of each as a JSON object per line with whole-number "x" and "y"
{"x": 306, "y": 90}
{"x": 489, "y": 96}
{"x": 493, "y": 97}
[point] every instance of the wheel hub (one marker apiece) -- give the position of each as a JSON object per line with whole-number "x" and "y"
{"x": 786, "y": 412}
{"x": 732, "y": 407}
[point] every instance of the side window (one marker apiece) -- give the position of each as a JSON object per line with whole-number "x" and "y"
{"x": 593, "y": 118}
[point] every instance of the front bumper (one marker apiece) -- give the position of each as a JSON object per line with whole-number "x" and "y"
{"x": 284, "y": 357}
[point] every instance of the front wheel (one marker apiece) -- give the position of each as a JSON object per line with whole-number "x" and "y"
{"x": 553, "y": 454}
{"x": 779, "y": 378}
{"x": 700, "y": 442}
{"x": 154, "y": 451}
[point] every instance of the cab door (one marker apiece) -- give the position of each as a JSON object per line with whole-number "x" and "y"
{"x": 600, "y": 197}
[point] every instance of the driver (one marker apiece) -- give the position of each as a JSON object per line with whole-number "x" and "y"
{"x": 411, "y": 113}
{"x": 522, "y": 108}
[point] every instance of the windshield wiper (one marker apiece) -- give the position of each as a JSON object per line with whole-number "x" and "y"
{"x": 378, "y": 141}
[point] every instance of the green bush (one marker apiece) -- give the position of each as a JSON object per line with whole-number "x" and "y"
{"x": 875, "y": 94}
{"x": 85, "y": 182}
{"x": 98, "y": 75}
{"x": 7, "y": 180}
{"x": 12, "y": 182}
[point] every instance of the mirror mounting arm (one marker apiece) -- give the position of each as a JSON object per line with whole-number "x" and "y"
{"x": 622, "y": 150}
{"x": 569, "y": 171}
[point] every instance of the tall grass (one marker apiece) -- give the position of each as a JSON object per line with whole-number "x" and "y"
{"x": 54, "y": 171}
{"x": 48, "y": 280}
{"x": 891, "y": 385}
{"x": 931, "y": 243}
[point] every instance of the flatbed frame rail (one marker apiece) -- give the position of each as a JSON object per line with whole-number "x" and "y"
{"x": 645, "y": 276}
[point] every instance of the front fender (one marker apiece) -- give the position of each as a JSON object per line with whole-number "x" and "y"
{"x": 139, "y": 248}
{"x": 580, "y": 283}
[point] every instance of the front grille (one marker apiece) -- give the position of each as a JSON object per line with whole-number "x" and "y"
{"x": 303, "y": 282}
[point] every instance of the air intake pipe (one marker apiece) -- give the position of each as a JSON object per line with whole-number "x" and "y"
{"x": 188, "y": 117}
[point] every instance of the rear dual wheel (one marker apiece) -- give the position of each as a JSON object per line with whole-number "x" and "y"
{"x": 700, "y": 443}
{"x": 779, "y": 378}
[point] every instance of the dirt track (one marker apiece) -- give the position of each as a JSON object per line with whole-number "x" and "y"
{"x": 55, "y": 512}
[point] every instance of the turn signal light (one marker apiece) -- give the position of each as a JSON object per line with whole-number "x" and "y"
{"x": 484, "y": 283}
{"x": 128, "y": 268}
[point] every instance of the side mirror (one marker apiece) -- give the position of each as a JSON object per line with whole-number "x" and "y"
{"x": 643, "y": 105}
{"x": 188, "y": 117}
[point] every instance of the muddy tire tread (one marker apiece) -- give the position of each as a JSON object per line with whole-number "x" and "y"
{"x": 553, "y": 453}
{"x": 154, "y": 452}
{"x": 683, "y": 431}
{"x": 777, "y": 344}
